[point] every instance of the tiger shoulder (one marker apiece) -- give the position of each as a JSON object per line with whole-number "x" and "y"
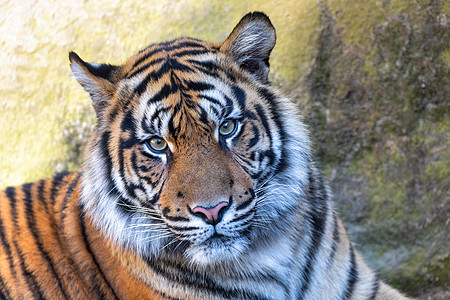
{"x": 198, "y": 183}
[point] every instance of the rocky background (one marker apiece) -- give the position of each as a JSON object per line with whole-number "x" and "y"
{"x": 371, "y": 78}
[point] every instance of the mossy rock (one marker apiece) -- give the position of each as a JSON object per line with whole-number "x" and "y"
{"x": 371, "y": 77}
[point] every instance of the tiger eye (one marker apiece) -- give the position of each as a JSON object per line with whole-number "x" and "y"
{"x": 157, "y": 144}
{"x": 227, "y": 128}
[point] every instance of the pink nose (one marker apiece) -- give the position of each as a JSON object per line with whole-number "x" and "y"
{"x": 211, "y": 215}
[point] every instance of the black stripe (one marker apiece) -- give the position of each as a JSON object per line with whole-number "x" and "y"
{"x": 145, "y": 168}
{"x": 275, "y": 278}
{"x": 178, "y": 66}
{"x": 31, "y": 221}
{"x": 129, "y": 187}
{"x": 152, "y": 182}
{"x": 154, "y": 75}
{"x": 236, "y": 137}
{"x": 4, "y": 293}
{"x": 375, "y": 288}
{"x": 101, "y": 70}
{"x": 352, "y": 276}
{"x": 94, "y": 259}
{"x": 171, "y": 128}
{"x": 208, "y": 71}
{"x": 198, "y": 86}
{"x": 215, "y": 112}
{"x": 10, "y": 193}
{"x": 165, "y": 47}
{"x": 146, "y": 66}
{"x": 275, "y": 110}
{"x": 148, "y": 124}
{"x": 29, "y": 277}
{"x": 64, "y": 205}
{"x": 203, "y": 118}
{"x": 57, "y": 179}
{"x": 7, "y": 248}
{"x": 335, "y": 240}
{"x": 127, "y": 123}
{"x": 318, "y": 219}
{"x": 245, "y": 161}
{"x": 127, "y": 143}
{"x": 185, "y": 276}
{"x": 41, "y": 197}
{"x": 265, "y": 173}
{"x": 146, "y": 56}
{"x": 209, "y": 65}
{"x": 228, "y": 106}
{"x": 249, "y": 115}
{"x": 163, "y": 93}
{"x": 118, "y": 107}
{"x": 182, "y": 228}
{"x": 255, "y": 139}
{"x": 211, "y": 68}
{"x": 69, "y": 191}
{"x": 244, "y": 216}
{"x": 215, "y": 101}
{"x": 176, "y": 219}
{"x": 6, "y": 245}
{"x": 265, "y": 121}
{"x": 155, "y": 198}
{"x": 104, "y": 147}
{"x": 165, "y": 296}
{"x": 190, "y": 42}
{"x": 240, "y": 96}
{"x": 190, "y": 52}
{"x": 33, "y": 286}
{"x": 245, "y": 204}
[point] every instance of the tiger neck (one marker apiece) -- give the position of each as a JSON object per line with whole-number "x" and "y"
{"x": 174, "y": 276}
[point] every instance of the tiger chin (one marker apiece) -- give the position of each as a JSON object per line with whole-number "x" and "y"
{"x": 198, "y": 183}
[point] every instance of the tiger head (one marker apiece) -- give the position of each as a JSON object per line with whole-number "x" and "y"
{"x": 194, "y": 153}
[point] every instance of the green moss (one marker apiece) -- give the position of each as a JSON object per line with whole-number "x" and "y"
{"x": 379, "y": 89}
{"x": 427, "y": 269}
{"x": 359, "y": 17}
{"x": 407, "y": 180}
{"x": 296, "y": 23}
{"x": 417, "y": 265}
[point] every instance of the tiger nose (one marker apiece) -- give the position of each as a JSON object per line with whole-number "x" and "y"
{"x": 213, "y": 214}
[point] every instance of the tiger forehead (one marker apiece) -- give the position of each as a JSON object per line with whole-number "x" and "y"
{"x": 172, "y": 72}
{"x": 175, "y": 49}
{"x": 179, "y": 122}
{"x": 183, "y": 88}
{"x": 169, "y": 81}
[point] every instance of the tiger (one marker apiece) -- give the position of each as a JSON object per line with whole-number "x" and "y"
{"x": 199, "y": 182}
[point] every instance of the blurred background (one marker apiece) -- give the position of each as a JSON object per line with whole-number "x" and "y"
{"x": 371, "y": 78}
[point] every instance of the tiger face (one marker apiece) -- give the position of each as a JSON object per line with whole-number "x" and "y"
{"x": 192, "y": 147}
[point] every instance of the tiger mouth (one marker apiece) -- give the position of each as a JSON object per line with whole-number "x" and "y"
{"x": 217, "y": 238}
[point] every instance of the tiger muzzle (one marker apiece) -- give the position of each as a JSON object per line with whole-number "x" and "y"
{"x": 204, "y": 182}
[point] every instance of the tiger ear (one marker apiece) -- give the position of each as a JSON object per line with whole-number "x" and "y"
{"x": 250, "y": 44}
{"x": 97, "y": 79}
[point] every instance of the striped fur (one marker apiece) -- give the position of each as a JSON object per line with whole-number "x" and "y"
{"x": 126, "y": 225}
